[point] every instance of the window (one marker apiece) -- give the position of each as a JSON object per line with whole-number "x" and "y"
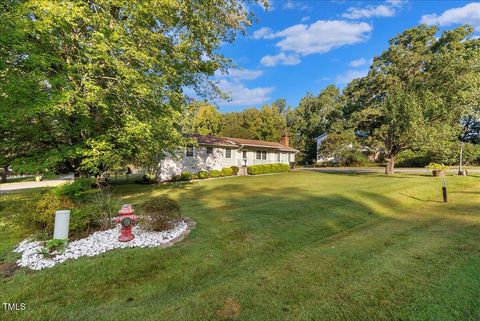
{"x": 209, "y": 150}
{"x": 228, "y": 153}
{"x": 278, "y": 156}
{"x": 189, "y": 151}
{"x": 244, "y": 154}
{"x": 264, "y": 154}
{"x": 259, "y": 154}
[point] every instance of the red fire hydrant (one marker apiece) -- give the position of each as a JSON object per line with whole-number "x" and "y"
{"x": 127, "y": 219}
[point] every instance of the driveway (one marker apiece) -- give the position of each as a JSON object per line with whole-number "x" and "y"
{"x": 375, "y": 170}
{"x": 8, "y": 187}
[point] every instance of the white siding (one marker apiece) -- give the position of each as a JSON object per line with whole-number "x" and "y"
{"x": 202, "y": 161}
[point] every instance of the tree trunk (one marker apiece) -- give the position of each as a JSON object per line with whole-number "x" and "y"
{"x": 390, "y": 165}
{"x": 4, "y": 173}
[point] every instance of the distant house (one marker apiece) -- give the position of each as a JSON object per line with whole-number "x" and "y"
{"x": 215, "y": 153}
{"x": 319, "y": 141}
{"x": 373, "y": 154}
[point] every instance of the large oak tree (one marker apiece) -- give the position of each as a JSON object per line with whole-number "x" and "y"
{"x": 416, "y": 91}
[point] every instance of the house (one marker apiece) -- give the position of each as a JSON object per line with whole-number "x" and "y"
{"x": 215, "y": 153}
{"x": 319, "y": 141}
{"x": 373, "y": 155}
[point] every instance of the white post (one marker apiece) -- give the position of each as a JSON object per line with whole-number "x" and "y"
{"x": 460, "y": 168}
{"x": 62, "y": 222}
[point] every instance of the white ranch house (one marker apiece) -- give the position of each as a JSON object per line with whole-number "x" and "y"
{"x": 215, "y": 153}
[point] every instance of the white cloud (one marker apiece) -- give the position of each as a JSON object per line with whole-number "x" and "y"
{"x": 281, "y": 58}
{"x": 240, "y": 95}
{"x": 318, "y": 37}
{"x": 305, "y": 18}
{"x": 241, "y": 74}
{"x": 369, "y": 12}
{"x": 263, "y": 33}
{"x": 321, "y": 36}
{"x": 469, "y": 13}
{"x": 349, "y": 75}
{"x": 358, "y": 62}
{"x": 298, "y": 5}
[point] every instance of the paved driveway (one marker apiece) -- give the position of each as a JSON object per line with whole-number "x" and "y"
{"x": 7, "y": 187}
{"x": 374, "y": 170}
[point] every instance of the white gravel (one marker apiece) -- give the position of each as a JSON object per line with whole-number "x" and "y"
{"x": 94, "y": 244}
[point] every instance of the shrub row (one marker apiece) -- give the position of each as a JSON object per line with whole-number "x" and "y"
{"x": 267, "y": 168}
{"x": 187, "y": 176}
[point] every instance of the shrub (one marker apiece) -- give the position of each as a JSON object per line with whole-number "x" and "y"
{"x": 227, "y": 171}
{"x": 235, "y": 170}
{"x": 149, "y": 178}
{"x": 202, "y": 174}
{"x": 42, "y": 216}
{"x": 214, "y": 173}
{"x": 267, "y": 168}
{"x": 159, "y": 214}
{"x": 78, "y": 189}
{"x": 255, "y": 170}
{"x": 410, "y": 158}
{"x": 176, "y": 178}
{"x": 355, "y": 158}
{"x": 436, "y": 167}
{"x": 96, "y": 214}
{"x": 185, "y": 176}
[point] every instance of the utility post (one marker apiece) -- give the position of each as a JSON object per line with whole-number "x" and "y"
{"x": 460, "y": 166}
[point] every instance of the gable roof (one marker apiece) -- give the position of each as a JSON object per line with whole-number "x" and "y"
{"x": 239, "y": 142}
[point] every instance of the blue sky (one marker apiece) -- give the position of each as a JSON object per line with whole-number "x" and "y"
{"x": 301, "y": 46}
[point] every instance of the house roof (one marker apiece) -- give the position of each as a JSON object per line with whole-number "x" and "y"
{"x": 239, "y": 142}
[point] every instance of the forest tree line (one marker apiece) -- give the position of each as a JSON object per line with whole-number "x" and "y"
{"x": 419, "y": 101}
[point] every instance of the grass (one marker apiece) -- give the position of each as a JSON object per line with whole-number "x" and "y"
{"x": 293, "y": 246}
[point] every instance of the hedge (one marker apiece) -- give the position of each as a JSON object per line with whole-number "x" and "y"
{"x": 203, "y": 174}
{"x": 267, "y": 168}
{"x": 214, "y": 173}
{"x": 235, "y": 169}
{"x": 186, "y": 176}
{"x": 227, "y": 171}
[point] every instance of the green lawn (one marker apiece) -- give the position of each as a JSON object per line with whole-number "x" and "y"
{"x": 293, "y": 246}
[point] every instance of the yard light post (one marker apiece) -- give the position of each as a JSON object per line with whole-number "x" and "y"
{"x": 444, "y": 190}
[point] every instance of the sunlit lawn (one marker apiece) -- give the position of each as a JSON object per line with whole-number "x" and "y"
{"x": 293, "y": 246}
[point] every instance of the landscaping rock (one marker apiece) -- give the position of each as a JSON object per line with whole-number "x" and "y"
{"x": 97, "y": 243}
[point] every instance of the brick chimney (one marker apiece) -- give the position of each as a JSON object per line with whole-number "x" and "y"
{"x": 284, "y": 140}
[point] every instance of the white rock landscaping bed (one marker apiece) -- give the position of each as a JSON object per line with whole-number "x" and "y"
{"x": 96, "y": 243}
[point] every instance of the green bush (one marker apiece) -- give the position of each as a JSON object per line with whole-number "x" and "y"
{"x": 159, "y": 214}
{"x": 227, "y": 171}
{"x": 214, "y": 173}
{"x": 202, "y": 174}
{"x": 436, "y": 167}
{"x": 235, "y": 169}
{"x": 78, "y": 189}
{"x": 410, "y": 158}
{"x": 355, "y": 158}
{"x": 42, "y": 217}
{"x": 267, "y": 168}
{"x": 176, "y": 178}
{"x": 96, "y": 214}
{"x": 186, "y": 176}
{"x": 149, "y": 178}
{"x": 255, "y": 169}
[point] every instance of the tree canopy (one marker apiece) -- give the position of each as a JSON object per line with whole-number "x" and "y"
{"x": 95, "y": 82}
{"x": 416, "y": 91}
